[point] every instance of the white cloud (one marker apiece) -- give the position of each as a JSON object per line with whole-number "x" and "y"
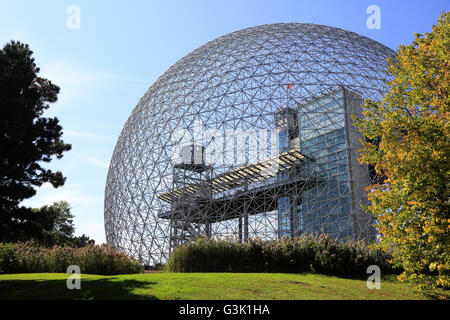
{"x": 98, "y": 163}
{"x": 118, "y": 77}
{"x": 47, "y": 194}
{"x": 77, "y": 80}
{"x": 73, "y": 80}
{"x": 74, "y": 133}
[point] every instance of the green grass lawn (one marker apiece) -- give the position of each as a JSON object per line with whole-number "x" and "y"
{"x": 208, "y": 286}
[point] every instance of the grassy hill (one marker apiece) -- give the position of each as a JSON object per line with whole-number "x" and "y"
{"x": 209, "y": 286}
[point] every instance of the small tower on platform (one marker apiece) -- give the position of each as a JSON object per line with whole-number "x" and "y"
{"x": 192, "y": 193}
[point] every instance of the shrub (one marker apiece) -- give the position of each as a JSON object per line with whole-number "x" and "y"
{"x": 320, "y": 254}
{"x": 94, "y": 259}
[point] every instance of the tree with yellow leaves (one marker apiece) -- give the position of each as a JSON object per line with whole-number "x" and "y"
{"x": 408, "y": 142}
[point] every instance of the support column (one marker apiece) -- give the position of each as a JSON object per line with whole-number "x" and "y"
{"x": 245, "y": 224}
{"x": 208, "y": 230}
{"x": 245, "y": 214}
{"x": 294, "y": 216}
{"x": 240, "y": 229}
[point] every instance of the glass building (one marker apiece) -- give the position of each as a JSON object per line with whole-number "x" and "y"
{"x": 322, "y": 130}
{"x": 328, "y": 136}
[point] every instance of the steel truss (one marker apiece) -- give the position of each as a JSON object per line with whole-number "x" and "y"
{"x": 231, "y": 97}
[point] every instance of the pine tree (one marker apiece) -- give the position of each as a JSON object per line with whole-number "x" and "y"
{"x": 27, "y": 139}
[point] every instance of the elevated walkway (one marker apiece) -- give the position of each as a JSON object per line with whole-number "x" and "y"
{"x": 252, "y": 189}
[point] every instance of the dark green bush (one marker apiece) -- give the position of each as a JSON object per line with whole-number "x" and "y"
{"x": 319, "y": 254}
{"x": 93, "y": 259}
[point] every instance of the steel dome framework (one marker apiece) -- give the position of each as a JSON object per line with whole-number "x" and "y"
{"x": 268, "y": 108}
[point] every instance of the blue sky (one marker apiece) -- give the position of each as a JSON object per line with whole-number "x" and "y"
{"x": 122, "y": 47}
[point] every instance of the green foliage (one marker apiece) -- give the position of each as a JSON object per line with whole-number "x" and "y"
{"x": 27, "y": 257}
{"x": 51, "y": 226}
{"x": 54, "y": 224}
{"x": 408, "y": 143}
{"x": 80, "y": 241}
{"x": 320, "y": 254}
{"x": 27, "y": 139}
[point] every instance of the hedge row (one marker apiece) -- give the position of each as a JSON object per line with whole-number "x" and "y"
{"x": 318, "y": 254}
{"x": 93, "y": 259}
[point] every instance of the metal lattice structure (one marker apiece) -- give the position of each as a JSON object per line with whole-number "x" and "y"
{"x": 249, "y": 135}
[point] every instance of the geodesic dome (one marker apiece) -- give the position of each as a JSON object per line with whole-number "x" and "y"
{"x": 269, "y": 96}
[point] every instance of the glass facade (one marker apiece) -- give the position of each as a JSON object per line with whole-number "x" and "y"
{"x": 326, "y": 207}
{"x": 284, "y": 203}
{"x": 324, "y": 135}
{"x": 284, "y": 216}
